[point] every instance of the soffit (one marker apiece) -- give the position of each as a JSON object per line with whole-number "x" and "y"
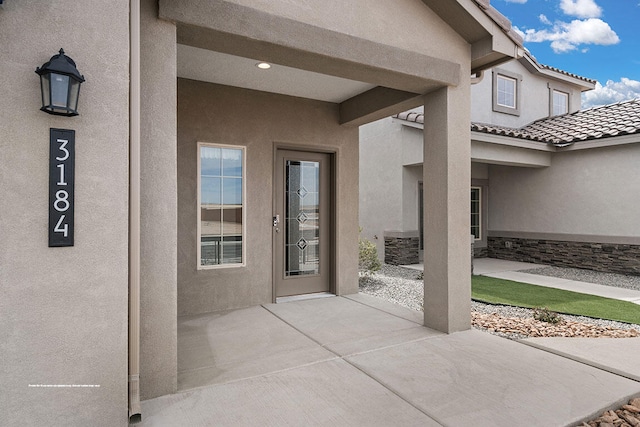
{"x": 532, "y": 64}
{"x": 492, "y": 38}
{"x": 221, "y": 68}
{"x": 220, "y": 42}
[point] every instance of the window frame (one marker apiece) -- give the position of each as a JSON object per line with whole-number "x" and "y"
{"x": 479, "y": 188}
{"x": 560, "y": 89}
{"x": 517, "y": 78}
{"x": 199, "y": 265}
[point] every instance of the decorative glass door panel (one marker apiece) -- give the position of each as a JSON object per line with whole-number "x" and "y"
{"x": 302, "y": 221}
{"x": 302, "y": 233}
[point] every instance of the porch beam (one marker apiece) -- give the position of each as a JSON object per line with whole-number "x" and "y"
{"x": 243, "y": 31}
{"x": 447, "y": 174}
{"x": 375, "y": 104}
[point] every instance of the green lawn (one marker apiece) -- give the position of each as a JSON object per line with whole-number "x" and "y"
{"x": 498, "y": 291}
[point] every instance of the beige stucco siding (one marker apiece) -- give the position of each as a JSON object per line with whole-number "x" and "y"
{"x": 64, "y": 310}
{"x": 256, "y": 120}
{"x": 584, "y": 192}
{"x": 533, "y": 97}
{"x": 432, "y": 36}
{"x": 389, "y": 188}
{"x": 331, "y": 39}
{"x": 158, "y": 205}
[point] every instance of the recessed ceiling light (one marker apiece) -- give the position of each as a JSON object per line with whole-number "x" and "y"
{"x": 263, "y": 65}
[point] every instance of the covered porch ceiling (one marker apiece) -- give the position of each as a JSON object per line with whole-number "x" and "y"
{"x": 221, "y": 42}
{"x": 221, "y": 68}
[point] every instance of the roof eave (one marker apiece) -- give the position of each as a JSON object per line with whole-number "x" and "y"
{"x": 533, "y": 66}
{"x": 489, "y": 33}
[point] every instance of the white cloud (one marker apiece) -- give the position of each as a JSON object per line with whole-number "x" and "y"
{"x": 567, "y": 36}
{"x": 543, "y": 18}
{"x": 611, "y": 92}
{"x": 581, "y": 8}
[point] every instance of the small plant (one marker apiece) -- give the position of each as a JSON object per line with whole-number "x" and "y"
{"x": 368, "y": 262}
{"x": 420, "y": 276}
{"x": 543, "y": 314}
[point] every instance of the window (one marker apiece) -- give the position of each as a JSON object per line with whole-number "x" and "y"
{"x": 559, "y": 99}
{"x": 506, "y": 92}
{"x": 560, "y": 103}
{"x": 475, "y": 212}
{"x": 221, "y": 205}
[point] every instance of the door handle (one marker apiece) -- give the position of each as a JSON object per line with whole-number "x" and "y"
{"x": 276, "y": 220}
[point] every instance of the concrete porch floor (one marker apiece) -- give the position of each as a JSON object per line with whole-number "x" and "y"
{"x": 361, "y": 361}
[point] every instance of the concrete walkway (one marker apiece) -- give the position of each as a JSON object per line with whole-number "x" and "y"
{"x": 615, "y": 355}
{"x": 361, "y": 361}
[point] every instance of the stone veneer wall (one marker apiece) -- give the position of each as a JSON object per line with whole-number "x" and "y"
{"x": 401, "y": 250}
{"x": 480, "y": 252}
{"x": 606, "y": 257}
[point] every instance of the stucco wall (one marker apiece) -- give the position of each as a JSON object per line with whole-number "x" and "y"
{"x": 256, "y": 120}
{"x": 412, "y": 16}
{"x": 534, "y": 98}
{"x": 390, "y": 170}
{"x": 158, "y": 205}
{"x": 584, "y": 192}
{"x": 64, "y": 310}
{"x": 380, "y": 180}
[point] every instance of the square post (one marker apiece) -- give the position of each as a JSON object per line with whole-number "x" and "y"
{"x": 447, "y": 178}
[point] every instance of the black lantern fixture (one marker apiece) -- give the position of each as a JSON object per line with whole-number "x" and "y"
{"x": 60, "y": 85}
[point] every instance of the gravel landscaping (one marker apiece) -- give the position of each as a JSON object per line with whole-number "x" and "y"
{"x": 403, "y": 286}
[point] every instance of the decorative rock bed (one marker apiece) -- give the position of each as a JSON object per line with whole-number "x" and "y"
{"x": 403, "y": 286}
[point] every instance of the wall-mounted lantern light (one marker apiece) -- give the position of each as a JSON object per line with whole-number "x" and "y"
{"x": 60, "y": 85}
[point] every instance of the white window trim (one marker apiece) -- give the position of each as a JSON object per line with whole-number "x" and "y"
{"x": 558, "y": 88}
{"x": 497, "y": 72}
{"x": 514, "y": 98}
{"x": 199, "y": 266}
{"x": 473, "y": 187}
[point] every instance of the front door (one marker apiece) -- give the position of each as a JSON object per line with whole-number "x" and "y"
{"x": 302, "y": 223}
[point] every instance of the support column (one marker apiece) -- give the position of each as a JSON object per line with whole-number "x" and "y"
{"x": 447, "y": 177}
{"x": 158, "y": 204}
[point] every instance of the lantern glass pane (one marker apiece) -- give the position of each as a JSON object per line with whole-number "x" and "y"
{"x": 74, "y": 91}
{"x": 46, "y": 95}
{"x": 59, "y": 90}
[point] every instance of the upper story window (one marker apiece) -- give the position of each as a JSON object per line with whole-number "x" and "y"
{"x": 506, "y": 92}
{"x": 560, "y": 103}
{"x": 559, "y": 99}
{"x": 221, "y": 225}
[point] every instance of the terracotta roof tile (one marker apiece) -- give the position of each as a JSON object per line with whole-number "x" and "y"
{"x": 607, "y": 121}
{"x": 502, "y": 21}
{"x": 566, "y": 73}
{"x": 557, "y": 70}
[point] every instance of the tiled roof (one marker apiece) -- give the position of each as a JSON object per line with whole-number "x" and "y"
{"x": 501, "y": 20}
{"x": 607, "y": 121}
{"x": 566, "y": 73}
{"x": 557, "y": 70}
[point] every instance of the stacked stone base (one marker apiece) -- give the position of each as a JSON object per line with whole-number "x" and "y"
{"x": 605, "y": 257}
{"x": 480, "y": 252}
{"x": 401, "y": 250}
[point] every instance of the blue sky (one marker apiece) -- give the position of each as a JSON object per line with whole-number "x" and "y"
{"x": 598, "y": 39}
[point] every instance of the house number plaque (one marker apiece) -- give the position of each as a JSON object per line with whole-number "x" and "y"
{"x": 61, "y": 186}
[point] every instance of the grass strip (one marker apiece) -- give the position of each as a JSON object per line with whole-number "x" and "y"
{"x": 507, "y": 292}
